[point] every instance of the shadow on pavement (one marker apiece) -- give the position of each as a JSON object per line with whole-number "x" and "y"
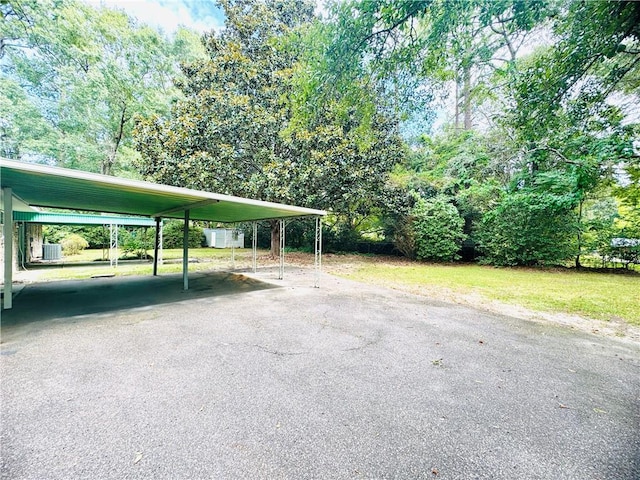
{"x": 44, "y": 301}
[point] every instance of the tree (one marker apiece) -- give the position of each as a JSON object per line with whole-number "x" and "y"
{"x": 528, "y": 228}
{"x": 234, "y": 132}
{"x": 437, "y": 229}
{"x": 437, "y": 41}
{"x": 87, "y": 71}
{"x": 597, "y": 52}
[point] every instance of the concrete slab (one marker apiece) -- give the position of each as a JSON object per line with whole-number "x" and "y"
{"x": 348, "y": 381}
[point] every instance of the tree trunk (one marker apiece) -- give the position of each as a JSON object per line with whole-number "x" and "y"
{"x": 457, "y": 123}
{"x": 467, "y": 98}
{"x": 275, "y": 238}
{"x": 107, "y": 165}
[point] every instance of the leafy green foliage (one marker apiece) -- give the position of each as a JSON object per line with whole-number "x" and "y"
{"x": 137, "y": 241}
{"x": 79, "y": 74}
{"x": 235, "y": 131}
{"x": 528, "y": 228}
{"x": 437, "y": 229}
{"x": 539, "y": 154}
{"x": 173, "y": 235}
{"x": 73, "y": 244}
{"x": 596, "y": 50}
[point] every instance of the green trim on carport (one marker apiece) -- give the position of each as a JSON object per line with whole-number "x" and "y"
{"x": 51, "y": 218}
{"x": 33, "y": 185}
{"x": 54, "y": 187}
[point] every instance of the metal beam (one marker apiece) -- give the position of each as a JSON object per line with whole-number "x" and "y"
{"x": 318, "y": 252}
{"x": 233, "y": 247}
{"x": 254, "y": 246}
{"x": 156, "y": 247}
{"x": 282, "y": 243}
{"x": 185, "y": 252}
{"x": 113, "y": 245}
{"x": 7, "y": 198}
{"x": 191, "y": 206}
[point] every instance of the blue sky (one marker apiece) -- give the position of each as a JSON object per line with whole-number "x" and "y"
{"x": 200, "y": 15}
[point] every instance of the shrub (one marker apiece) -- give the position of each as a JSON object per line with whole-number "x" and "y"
{"x": 404, "y": 237}
{"x": 73, "y": 244}
{"x": 137, "y": 241}
{"x": 340, "y": 237}
{"x": 437, "y": 229}
{"x": 529, "y": 229}
{"x": 172, "y": 235}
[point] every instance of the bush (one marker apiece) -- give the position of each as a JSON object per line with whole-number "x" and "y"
{"x": 437, "y": 228}
{"x": 137, "y": 241}
{"x": 340, "y": 237}
{"x": 529, "y": 229}
{"x": 404, "y": 237}
{"x": 172, "y": 235}
{"x": 73, "y": 244}
{"x": 97, "y": 236}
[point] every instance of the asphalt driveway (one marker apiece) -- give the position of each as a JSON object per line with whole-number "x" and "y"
{"x": 131, "y": 378}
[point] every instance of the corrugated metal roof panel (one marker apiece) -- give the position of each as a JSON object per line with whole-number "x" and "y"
{"x": 81, "y": 219}
{"x": 44, "y": 186}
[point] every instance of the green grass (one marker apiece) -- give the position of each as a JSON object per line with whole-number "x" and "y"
{"x": 81, "y": 265}
{"x": 603, "y": 296}
{"x": 94, "y": 255}
{"x": 594, "y": 295}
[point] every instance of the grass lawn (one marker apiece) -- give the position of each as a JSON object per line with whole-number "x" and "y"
{"x": 95, "y": 255}
{"x": 90, "y": 262}
{"x": 601, "y": 296}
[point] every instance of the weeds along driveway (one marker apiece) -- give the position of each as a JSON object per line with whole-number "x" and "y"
{"x": 346, "y": 381}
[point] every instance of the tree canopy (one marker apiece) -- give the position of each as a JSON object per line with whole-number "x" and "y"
{"x": 234, "y": 130}
{"x": 77, "y": 75}
{"x": 504, "y": 130}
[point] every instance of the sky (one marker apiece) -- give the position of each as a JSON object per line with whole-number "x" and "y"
{"x": 199, "y": 15}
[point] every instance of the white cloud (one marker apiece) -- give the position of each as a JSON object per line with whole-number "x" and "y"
{"x": 168, "y": 15}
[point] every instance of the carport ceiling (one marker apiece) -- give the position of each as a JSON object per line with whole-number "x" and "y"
{"x": 44, "y": 186}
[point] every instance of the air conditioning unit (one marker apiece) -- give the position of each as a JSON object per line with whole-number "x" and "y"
{"x": 51, "y": 251}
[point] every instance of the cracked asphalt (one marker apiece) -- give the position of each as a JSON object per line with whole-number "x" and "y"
{"x": 250, "y": 377}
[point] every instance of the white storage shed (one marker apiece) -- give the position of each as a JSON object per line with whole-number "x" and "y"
{"x": 223, "y": 238}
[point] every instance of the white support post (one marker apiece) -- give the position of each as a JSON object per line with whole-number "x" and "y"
{"x": 185, "y": 252}
{"x": 156, "y": 247}
{"x": 113, "y": 245}
{"x": 254, "y": 246}
{"x": 282, "y": 243}
{"x": 318, "y": 252}
{"x": 7, "y": 231}
{"x": 161, "y": 242}
{"x": 233, "y": 248}
{"x": 22, "y": 245}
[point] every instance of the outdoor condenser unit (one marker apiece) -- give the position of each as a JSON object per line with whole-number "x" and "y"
{"x": 51, "y": 251}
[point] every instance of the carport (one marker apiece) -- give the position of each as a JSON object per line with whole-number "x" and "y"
{"x": 48, "y": 218}
{"x": 26, "y": 185}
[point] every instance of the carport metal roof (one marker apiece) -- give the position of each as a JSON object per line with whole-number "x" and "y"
{"x": 80, "y": 219}
{"x": 26, "y": 185}
{"x": 44, "y": 186}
